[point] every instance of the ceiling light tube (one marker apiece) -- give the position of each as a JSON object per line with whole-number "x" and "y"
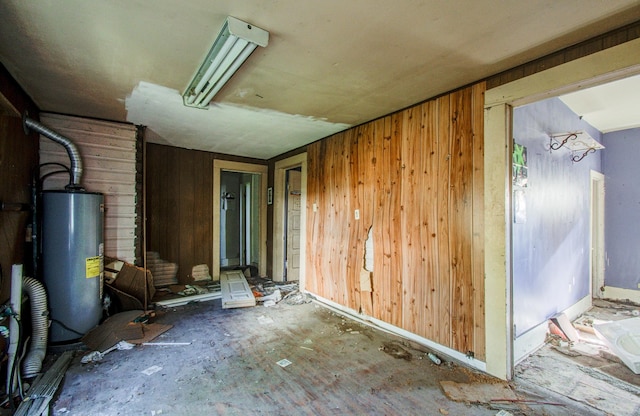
{"x": 235, "y": 42}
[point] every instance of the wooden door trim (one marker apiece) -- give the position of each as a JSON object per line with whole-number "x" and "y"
{"x": 278, "y": 215}
{"x": 218, "y": 167}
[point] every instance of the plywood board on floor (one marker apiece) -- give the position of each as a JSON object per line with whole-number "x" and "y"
{"x": 121, "y": 327}
{"x": 478, "y": 392}
{"x": 236, "y": 292}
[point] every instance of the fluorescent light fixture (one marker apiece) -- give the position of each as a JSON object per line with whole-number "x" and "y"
{"x": 234, "y": 44}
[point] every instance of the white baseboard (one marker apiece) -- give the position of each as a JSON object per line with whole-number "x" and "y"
{"x": 376, "y": 323}
{"x": 616, "y": 293}
{"x": 530, "y": 341}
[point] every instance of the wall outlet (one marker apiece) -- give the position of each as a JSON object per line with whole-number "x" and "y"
{"x": 357, "y": 214}
{"x": 315, "y": 207}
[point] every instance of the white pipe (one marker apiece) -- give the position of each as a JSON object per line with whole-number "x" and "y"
{"x": 14, "y": 328}
{"x": 32, "y": 363}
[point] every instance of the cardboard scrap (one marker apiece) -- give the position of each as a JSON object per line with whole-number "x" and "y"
{"x": 120, "y": 327}
{"x": 478, "y": 392}
{"x": 135, "y": 281}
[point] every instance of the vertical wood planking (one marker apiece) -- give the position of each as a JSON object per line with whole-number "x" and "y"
{"x": 313, "y": 179}
{"x": 336, "y": 194}
{"x": 443, "y": 278}
{"x": 378, "y": 181}
{"x": 383, "y": 222}
{"x": 461, "y": 216}
{"x": 186, "y": 208}
{"x": 429, "y": 316}
{"x": 366, "y": 196}
{"x": 411, "y": 272}
{"x": 478, "y": 220}
{"x": 356, "y": 242}
{"x": 395, "y": 232}
{"x": 416, "y": 178}
{"x": 180, "y": 206}
{"x": 203, "y": 229}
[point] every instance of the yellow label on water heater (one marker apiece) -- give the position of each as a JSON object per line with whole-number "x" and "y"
{"x": 93, "y": 267}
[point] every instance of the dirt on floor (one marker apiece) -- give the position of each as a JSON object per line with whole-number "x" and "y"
{"x": 288, "y": 359}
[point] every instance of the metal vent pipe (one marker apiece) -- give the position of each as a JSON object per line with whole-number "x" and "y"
{"x": 70, "y": 147}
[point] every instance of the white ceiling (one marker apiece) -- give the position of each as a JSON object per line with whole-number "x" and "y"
{"x": 608, "y": 107}
{"x": 329, "y": 64}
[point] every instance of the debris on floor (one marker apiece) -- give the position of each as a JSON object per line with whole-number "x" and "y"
{"x": 132, "y": 287}
{"x": 36, "y": 402}
{"x": 96, "y": 356}
{"x": 396, "y": 351}
{"x": 587, "y": 371}
{"x": 623, "y": 338}
{"x": 479, "y": 392}
{"x": 610, "y": 332}
{"x": 178, "y": 295}
{"x": 268, "y": 293}
{"x": 200, "y": 273}
{"x": 284, "y": 363}
{"x": 124, "y": 326}
{"x": 164, "y": 272}
{"x": 296, "y": 298}
{"x": 562, "y": 322}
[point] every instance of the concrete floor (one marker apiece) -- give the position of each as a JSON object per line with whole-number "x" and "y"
{"x": 338, "y": 367}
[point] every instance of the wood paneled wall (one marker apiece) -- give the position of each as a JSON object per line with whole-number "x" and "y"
{"x": 18, "y": 158}
{"x": 416, "y": 179}
{"x": 179, "y": 205}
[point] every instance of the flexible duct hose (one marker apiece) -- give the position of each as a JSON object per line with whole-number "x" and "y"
{"x": 32, "y": 363}
{"x": 70, "y": 147}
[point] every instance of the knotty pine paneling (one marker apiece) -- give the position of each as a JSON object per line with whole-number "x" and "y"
{"x": 416, "y": 178}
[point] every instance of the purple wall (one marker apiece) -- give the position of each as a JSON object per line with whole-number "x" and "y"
{"x": 551, "y": 246}
{"x": 622, "y": 208}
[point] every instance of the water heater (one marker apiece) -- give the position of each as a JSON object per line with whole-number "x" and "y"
{"x": 72, "y": 261}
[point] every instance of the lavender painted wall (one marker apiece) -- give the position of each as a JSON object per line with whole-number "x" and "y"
{"x": 622, "y": 208}
{"x": 551, "y": 247}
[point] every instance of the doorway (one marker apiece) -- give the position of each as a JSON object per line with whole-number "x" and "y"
{"x": 239, "y": 220}
{"x": 594, "y": 69}
{"x": 289, "y": 213}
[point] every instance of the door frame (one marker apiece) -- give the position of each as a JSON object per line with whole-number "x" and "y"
{"x": 279, "y": 182}
{"x": 597, "y": 257}
{"x": 262, "y": 170}
{"x": 610, "y": 64}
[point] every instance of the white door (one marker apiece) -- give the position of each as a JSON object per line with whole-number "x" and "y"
{"x": 294, "y": 211}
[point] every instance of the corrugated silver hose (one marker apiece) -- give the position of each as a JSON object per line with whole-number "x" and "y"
{"x": 70, "y": 147}
{"x": 32, "y": 363}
